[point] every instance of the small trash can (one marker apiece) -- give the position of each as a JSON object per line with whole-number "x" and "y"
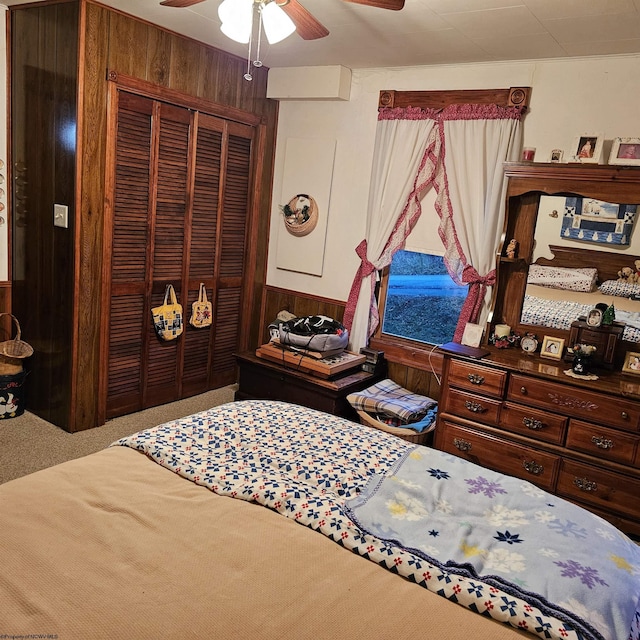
{"x": 12, "y": 395}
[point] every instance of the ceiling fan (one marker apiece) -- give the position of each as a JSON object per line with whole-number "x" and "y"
{"x": 307, "y": 27}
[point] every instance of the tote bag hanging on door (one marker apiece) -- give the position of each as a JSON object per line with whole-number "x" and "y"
{"x": 167, "y": 319}
{"x": 201, "y": 309}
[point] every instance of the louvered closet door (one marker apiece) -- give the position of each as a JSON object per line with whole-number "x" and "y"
{"x": 232, "y": 249}
{"x": 184, "y": 223}
{"x": 130, "y": 257}
{"x": 169, "y": 222}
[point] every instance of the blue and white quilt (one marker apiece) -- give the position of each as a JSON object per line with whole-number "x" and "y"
{"x": 338, "y": 478}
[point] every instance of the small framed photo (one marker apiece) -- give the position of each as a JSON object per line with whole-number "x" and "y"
{"x": 632, "y": 363}
{"x": 556, "y": 155}
{"x": 552, "y": 347}
{"x": 594, "y": 317}
{"x": 625, "y": 151}
{"x": 472, "y": 335}
{"x": 588, "y": 148}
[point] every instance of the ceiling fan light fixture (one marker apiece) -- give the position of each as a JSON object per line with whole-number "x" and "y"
{"x": 237, "y": 19}
{"x": 276, "y": 23}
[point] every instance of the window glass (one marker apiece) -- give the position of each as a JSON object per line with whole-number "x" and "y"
{"x": 422, "y": 302}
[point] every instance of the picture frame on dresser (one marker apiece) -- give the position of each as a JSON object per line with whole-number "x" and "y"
{"x": 625, "y": 151}
{"x": 587, "y": 148}
{"x": 552, "y": 347}
{"x": 632, "y": 363}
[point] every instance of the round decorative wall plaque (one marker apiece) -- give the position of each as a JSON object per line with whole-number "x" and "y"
{"x": 300, "y": 215}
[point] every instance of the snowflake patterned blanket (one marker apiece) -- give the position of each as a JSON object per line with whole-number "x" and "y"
{"x": 310, "y": 466}
{"x": 509, "y": 534}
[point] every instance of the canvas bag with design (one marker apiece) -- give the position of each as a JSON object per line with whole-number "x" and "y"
{"x": 167, "y": 319}
{"x": 201, "y": 309}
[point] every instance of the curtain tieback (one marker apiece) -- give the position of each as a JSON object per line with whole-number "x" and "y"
{"x": 365, "y": 269}
{"x": 477, "y": 289}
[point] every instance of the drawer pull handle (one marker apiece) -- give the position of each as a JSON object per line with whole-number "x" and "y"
{"x": 533, "y": 424}
{"x": 462, "y": 445}
{"x": 625, "y": 415}
{"x": 474, "y": 378}
{"x": 584, "y": 484}
{"x": 531, "y": 466}
{"x": 523, "y": 391}
{"x": 474, "y": 407}
{"x": 601, "y": 442}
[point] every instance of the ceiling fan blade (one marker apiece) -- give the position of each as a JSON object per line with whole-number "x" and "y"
{"x": 394, "y": 5}
{"x": 179, "y": 3}
{"x": 307, "y": 26}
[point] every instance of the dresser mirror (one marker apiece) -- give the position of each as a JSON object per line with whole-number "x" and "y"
{"x": 537, "y": 196}
{"x": 584, "y": 255}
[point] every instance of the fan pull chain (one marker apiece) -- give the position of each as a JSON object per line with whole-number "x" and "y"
{"x": 257, "y": 62}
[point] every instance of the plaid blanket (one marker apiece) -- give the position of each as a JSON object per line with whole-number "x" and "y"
{"x": 389, "y": 398}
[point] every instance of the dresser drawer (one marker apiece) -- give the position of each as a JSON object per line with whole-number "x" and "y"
{"x": 475, "y": 377}
{"x": 472, "y": 407}
{"x": 575, "y": 402}
{"x": 606, "y": 444}
{"x": 600, "y": 488}
{"x": 487, "y": 451}
{"x": 535, "y": 423}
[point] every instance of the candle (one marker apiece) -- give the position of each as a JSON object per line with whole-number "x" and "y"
{"x": 502, "y": 330}
{"x": 528, "y": 153}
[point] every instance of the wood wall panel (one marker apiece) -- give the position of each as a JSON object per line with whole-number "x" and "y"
{"x": 108, "y": 39}
{"x": 43, "y": 106}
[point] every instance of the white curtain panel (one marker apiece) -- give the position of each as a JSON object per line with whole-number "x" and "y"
{"x": 399, "y": 157}
{"x": 477, "y": 140}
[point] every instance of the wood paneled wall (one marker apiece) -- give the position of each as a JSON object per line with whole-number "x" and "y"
{"x": 103, "y": 39}
{"x": 422, "y": 378}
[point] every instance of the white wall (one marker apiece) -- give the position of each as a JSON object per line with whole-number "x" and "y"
{"x": 569, "y": 98}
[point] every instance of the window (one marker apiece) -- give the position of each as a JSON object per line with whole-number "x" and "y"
{"x": 422, "y": 301}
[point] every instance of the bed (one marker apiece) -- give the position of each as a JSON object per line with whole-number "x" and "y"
{"x": 559, "y": 292}
{"x": 165, "y": 534}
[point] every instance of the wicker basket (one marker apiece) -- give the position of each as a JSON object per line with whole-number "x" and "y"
{"x": 411, "y": 435}
{"x": 15, "y": 348}
{"x": 303, "y": 228}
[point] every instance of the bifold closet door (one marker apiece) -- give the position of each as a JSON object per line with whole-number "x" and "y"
{"x": 181, "y": 202}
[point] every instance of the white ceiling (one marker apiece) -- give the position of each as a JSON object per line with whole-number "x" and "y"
{"x": 424, "y": 32}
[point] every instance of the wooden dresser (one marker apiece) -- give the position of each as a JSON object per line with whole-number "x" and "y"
{"x": 522, "y": 415}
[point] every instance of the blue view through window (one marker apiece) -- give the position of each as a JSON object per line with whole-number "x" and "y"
{"x": 423, "y": 302}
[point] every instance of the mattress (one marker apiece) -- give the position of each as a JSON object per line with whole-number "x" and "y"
{"x": 115, "y": 546}
{"x": 262, "y": 519}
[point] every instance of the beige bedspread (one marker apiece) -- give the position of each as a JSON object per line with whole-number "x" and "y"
{"x": 115, "y": 546}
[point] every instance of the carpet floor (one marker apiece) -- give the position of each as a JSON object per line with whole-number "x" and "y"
{"x": 28, "y": 443}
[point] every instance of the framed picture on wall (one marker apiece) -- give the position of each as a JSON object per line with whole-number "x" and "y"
{"x": 625, "y": 151}
{"x": 587, "y": 148}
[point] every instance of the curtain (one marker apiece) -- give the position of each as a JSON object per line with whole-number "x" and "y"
{"x": 401, "y": 154}
{"x": 458, "y": 151}
{"x": 477, "y": 139}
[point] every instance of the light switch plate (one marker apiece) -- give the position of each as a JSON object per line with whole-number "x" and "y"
{"x": 61, "y": 216}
